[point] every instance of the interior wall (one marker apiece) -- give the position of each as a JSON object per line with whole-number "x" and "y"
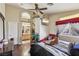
{"x": 12, "y": 13}
{"x": 2, "y": 8}
{"x": 12, "y": 19}
{"x": 54, "y": 17}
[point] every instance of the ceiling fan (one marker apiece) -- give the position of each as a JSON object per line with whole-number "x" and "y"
{"x": 37, "y": 9}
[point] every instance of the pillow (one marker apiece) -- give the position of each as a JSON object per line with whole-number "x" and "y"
{"x": 54, "y": 41}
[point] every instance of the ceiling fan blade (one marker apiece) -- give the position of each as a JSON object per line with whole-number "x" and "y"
{"x": 42, "y": 8}
{"x": 41, "y": 12}
{"x": 34, "y": 13}
{"x": 31, "y": 9}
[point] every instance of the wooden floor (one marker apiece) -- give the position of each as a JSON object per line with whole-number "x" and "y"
{"x": 22, "y": 50}
{"x": 18, "y": 50}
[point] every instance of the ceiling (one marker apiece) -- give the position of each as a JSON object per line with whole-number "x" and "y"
{"x": 56, "y": 8}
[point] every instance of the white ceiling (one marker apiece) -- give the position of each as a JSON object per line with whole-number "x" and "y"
{"x": 56, "y": 8}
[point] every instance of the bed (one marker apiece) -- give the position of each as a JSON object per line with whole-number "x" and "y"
{"x": 37, "y": 50}
{"x": 43, "y": 49}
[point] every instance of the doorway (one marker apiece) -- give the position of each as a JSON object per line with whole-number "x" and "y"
{"x": 26, "y": 33}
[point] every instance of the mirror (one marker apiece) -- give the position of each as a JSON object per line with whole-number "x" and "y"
{"x": 2, "y": 27}
{"x": 2, "y": 32}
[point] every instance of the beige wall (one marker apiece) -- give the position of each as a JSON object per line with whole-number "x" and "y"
{"x": 2, "y": 8}
{"x": 54, "y": 17}
{"x": 12, "y": 15}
